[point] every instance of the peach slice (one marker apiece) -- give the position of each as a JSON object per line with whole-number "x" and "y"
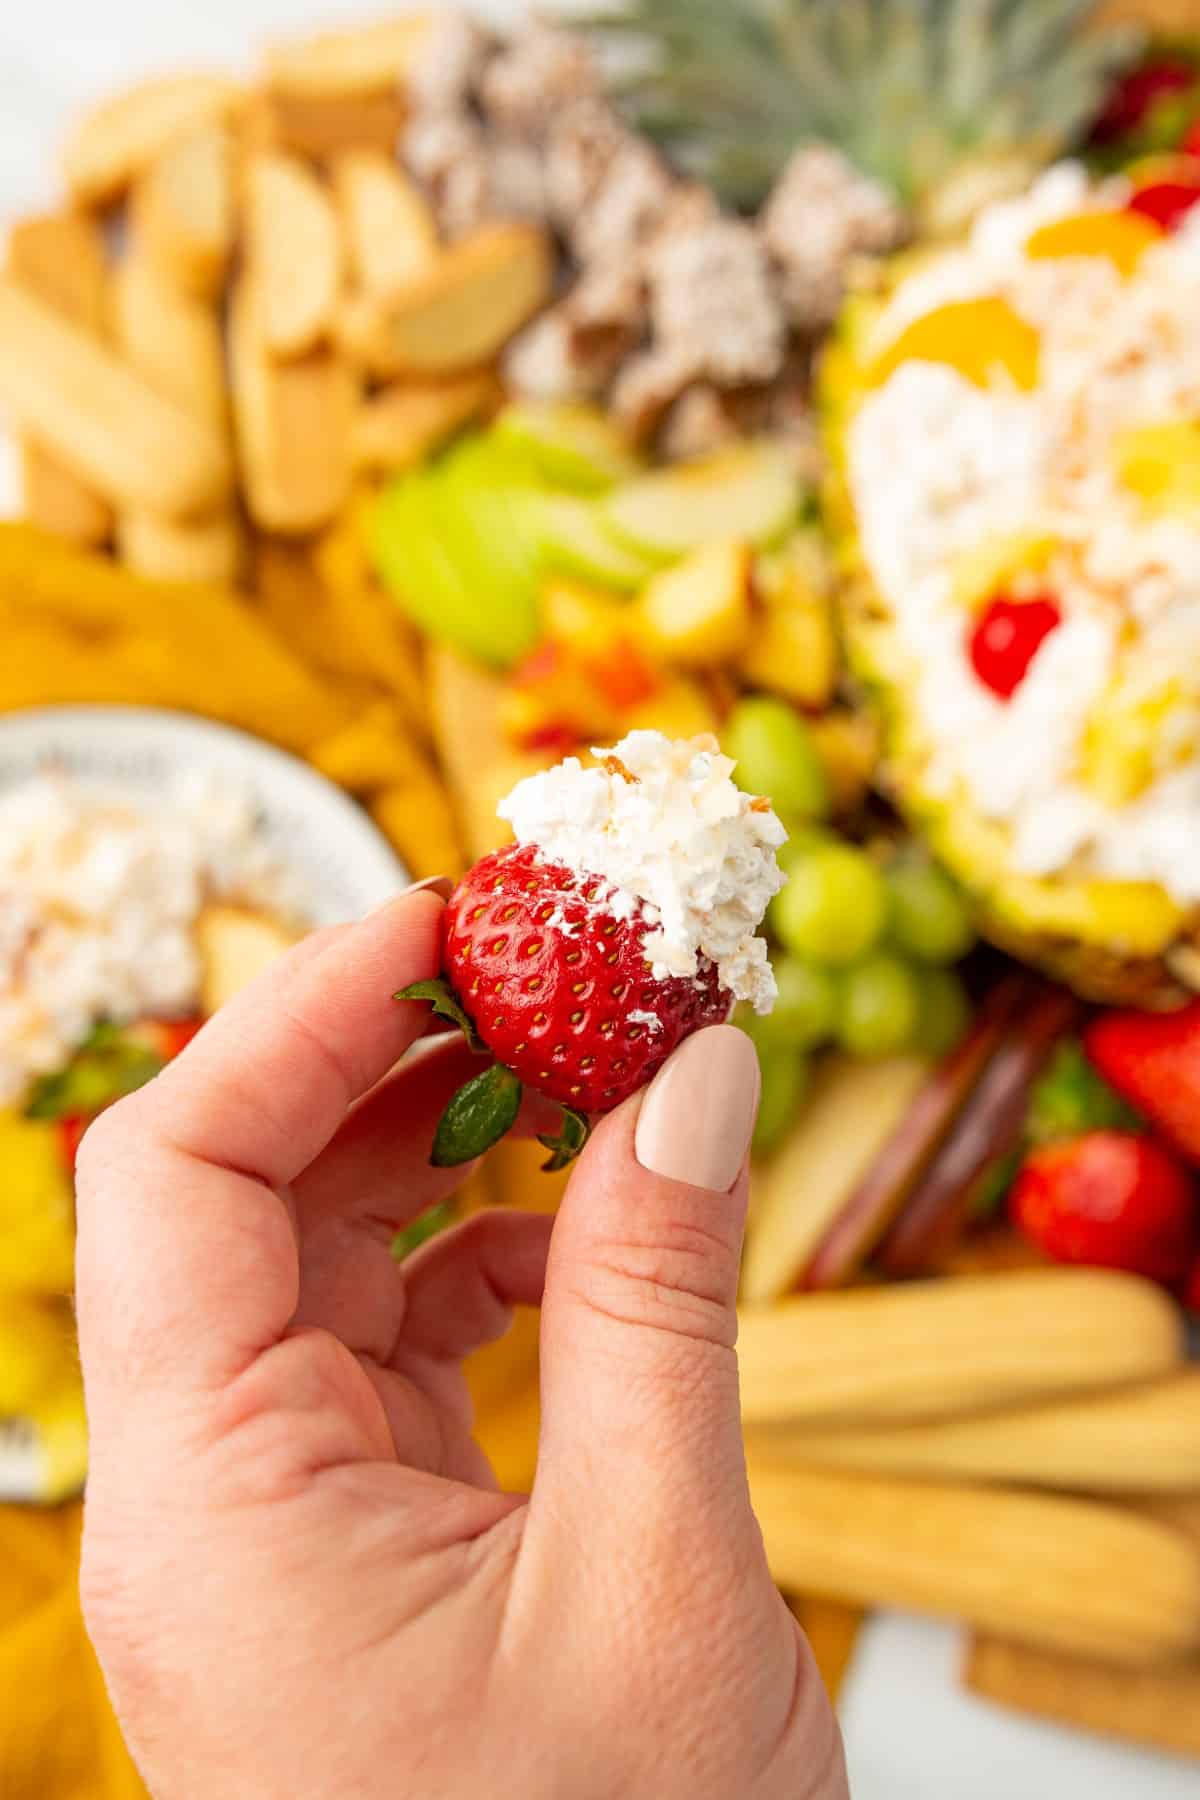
{"x": 981, "y": 339}
{"x": 1122, "y": 237}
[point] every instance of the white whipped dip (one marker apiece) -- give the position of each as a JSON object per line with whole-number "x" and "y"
{"x": 938, "y": 466}
{"x": 663, "y": 824}
{"x": 99, "y": 898}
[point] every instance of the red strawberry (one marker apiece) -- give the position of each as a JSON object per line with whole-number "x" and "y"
{"x": 560, "y": 992}
{"x": 1111, "y": 1199}
{"x": 1007, "y": 637}
{"x": 1153, "y": 1061}
{"x": 1191, "y": 142}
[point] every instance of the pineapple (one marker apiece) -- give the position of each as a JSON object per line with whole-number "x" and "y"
{"x": 944, "y": 103}
{"x": 1119, "y": 940}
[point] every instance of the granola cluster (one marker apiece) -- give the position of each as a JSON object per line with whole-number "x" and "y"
{"x": 682, "y": 318}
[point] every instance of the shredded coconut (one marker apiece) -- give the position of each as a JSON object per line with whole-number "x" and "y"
{"x": 99, "y": 897}
{"x": 680, "y": 845}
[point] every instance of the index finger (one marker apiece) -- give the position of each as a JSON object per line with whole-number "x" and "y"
{"x": 187, "y": 1261}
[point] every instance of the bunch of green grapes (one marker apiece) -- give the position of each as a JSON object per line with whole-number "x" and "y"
{"x": 865, "y": 946}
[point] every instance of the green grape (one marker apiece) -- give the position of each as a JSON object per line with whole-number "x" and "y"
{"x": 834, "y": 907}
{"x": 944, "y": 1013}
{"x": 776, "y": 757}
{"x": 784, "y": 1083}
{"x": 802, "y": 841}
{"x": 929, "y": 915}
{"x": 806, "y": 1010}
{"x": 881, "y": 1004}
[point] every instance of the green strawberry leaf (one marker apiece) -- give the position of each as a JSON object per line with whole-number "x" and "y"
{"x": 477, "y": 1117}
{"x": 433, "y": 1220}
{"x": 564, "y": 1148}
{"x": 1073, "y": 1098}
{"x": 445, "y": 1004}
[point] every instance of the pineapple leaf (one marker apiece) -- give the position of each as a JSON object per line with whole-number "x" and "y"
{"x": 912, "y": 91}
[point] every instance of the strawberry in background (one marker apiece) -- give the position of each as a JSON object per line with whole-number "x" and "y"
{"x": 114, "y": 1061}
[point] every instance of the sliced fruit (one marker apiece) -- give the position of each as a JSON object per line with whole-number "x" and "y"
{"x": 981, "y": 339}
{"x": 416, "y": 566}
{"x": 851, "y": 1113}
{"x": 1134, "y": 737}
{"x": 575, "y": 541}
{"x": 584, "y": 617}
{"x": 697, "y": 614}
{"x": 848, "y": 746}
{"x": 1123, "y": 238}
{"x": 235, "y": 946}
{"x": 574, "y": 447}
{"x": 792, "y": 647}
{"x": 1007, "y": 637}
{"x": 979, "y": 575}
{"x": 775, "y": 756}
{"x": 488, "y": 522}
{"x": 1161, "y": 464}
{"x": 750, "y": 492}
{"x": 680, "y": 708}
{"x": 553, "y": 703}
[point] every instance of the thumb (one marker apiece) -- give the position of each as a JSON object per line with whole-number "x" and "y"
{"x": 640, "y": 1417}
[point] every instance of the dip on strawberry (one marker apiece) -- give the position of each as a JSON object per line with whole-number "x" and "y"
{"x": 623, "y": 919}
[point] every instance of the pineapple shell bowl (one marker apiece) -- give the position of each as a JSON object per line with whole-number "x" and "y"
{"x": 1014, "y": 429}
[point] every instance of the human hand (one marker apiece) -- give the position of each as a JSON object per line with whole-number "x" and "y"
{"x": 297, "y": 1570}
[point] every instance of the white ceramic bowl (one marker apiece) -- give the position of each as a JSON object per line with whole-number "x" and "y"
{"x": 343, "y": 865}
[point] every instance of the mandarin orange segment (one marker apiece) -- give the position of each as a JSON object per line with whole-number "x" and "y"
{"x": 983, "y": 339}
{"x": 1122, "y": 237}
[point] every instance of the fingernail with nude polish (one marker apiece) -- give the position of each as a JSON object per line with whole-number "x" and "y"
{"x": 433, "y": 884}
{"x": 698, "y": 1113}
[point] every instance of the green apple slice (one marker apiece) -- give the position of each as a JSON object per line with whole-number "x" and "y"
{"x": 750, "y": 492}
{"x": 486, "y": 507}
{"x": 573, "y": 447}
{"x": 410, "y": 543}
{"x": 575, "y": 542}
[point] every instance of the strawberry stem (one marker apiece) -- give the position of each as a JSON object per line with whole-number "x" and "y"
{"x": 441, "y": 997}
{"x": 573, "y": 1135}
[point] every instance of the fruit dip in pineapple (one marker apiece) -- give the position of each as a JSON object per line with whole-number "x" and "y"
{"x": 1017, "y": 431}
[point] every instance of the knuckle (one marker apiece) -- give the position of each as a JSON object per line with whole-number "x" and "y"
{"x": 681, "y": 1280}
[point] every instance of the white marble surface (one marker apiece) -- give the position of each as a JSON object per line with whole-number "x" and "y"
{"x": 911, "y": 1735}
